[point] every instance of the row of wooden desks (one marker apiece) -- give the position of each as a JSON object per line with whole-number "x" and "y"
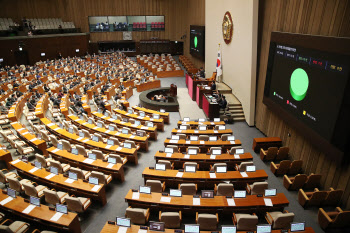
{"x": 203, "y": 179}
{"x": 5, "y": 155}
{"x": 203, "y": 145}
{"x": 202, "y": 132}
{"x": 59, "y": 182}
{"x": 158, "y": 122}
{"x": 152, "y": 131}
{"x": 209, "y": 124}
{"x": 164, "y": 115}
{"x": 148, "y": 85}
{"x": 82, "y": 124}
{"x": 204, "y": 160}
{"x": 41, "y": 106}
{"x": 217, "y": 204}
{"x": 115, "y": 170}
{"x": 42, "y": 214}
{"x": 131, "y": 154}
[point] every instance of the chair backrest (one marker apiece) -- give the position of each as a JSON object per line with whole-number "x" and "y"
{"x": 334, "y": 196}
{"x": 6, "y": 229}
{"x": 81, "y": 150}
{"x": 41, "y": 159}
{"x": 54, "y": 140}
{"x": 171, "y": 219}
{"x": 258, "y": 188}
{"x": 246, "y": 222}
{"x": 101, "y": 177}
{"x": 224, "y": 189}
{"x": 3, "y": 178}
{"x": 282, "y": 153}
{"x": 188, "y": 189}
{"x": 30, "y": 190}
{"x": 74, "y": 204}
{"x": 182, "y": 136}
{"x": 175, "y": 148}
{"x": 133, "y": 145}
{"x": 166, "y": 163}
{"x": 298, "y": 182}
{"x": 317, "y": 198}
{"x": 45, "y": 136}
{"x": 118, "y": 158}
{"x": 342, "y": 219}
{"x": 271, "y": 153}
{"x": 283, "y": 220}
{"x": 115, "y": 140}
{"x": 57, "y": 165}
{"x": 193, "y": 148}
{"x": 86, "y": 133}
{"x": 99, "y": 154}
{"x": 207, "y": 221}
{"x": 156, "y": 185}
{"x": 126, "y": 129}
{"x": 283, "y": 167}
{"x": 14, "y": 184}
{"x": 243, "y": 165}
{"x": 66, "y": 145}
{"x": 78, "y": 171}
{"x": 136, "y": 215}
{"x": 203, "y": 138}
{"x": 51, "y": 197}
{"x": 312, "y": 181}
{"x": 19, "y": 148}
{"x": 295, "y": 167}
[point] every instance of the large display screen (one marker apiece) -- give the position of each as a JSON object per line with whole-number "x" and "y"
{"x": 197, "y": 41}
{"x": 308, "y": 84}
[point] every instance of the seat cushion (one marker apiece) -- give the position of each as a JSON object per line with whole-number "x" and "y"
{"x": 246, "y": 222}
{"x": 18, "y": 226}
{"x": 273, "y": 215}
{"x": 207, "y": 221}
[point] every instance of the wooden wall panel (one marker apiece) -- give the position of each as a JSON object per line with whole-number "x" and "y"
{"x": 317, "y": 17}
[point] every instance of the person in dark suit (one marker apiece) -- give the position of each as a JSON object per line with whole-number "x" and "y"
{"x": 213, "y": 86}
{"x": 30, "y": 106}
{"x": 223, "y": 102}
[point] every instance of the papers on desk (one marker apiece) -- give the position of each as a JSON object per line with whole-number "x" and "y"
{"x": 110, "y": 165}
{"x": 56, "y": 216}
{"x": 108, "y": 146}
{"x": 268, "y": 202}
{"x": 188, "y": 142}
{"x": 196, "y": 201}
{"x": 6, "y": 200}
{"x": 139, "y": 117}
{"x": 96, "y": 188}
{"x": 179, "y": 130}
{"x": 179, "y": 174}
{"x": 79, "y": 138}
{"x": 244, "y": 174}
{"x": 142, "y": 231}
{"x": 165, "y": 199}
{"x": 58, "y": 128}
{"x": 55, "y": 150}
{"x": 187, "y": 156}
{"x": 85, "y": 123}
{"x": 237, "y": 156}
{"x": 133, "y": 125}
{"x": 173, "y": 141}
{"x": 119, "y": 148}
{"x": 107, "y": 131}
{"x": 231, "y": 202}
{"x": 212, "y": 123}
{"x": 232, "y": 142}
{"x": 34, "y": 139}
{"x": 89, "y": 161}
{"x": 28, "y": 209}
{"x": 103, "y": 117}
{"x": 50, "y": 176}
{"x": 33, "y": 170}
{"x": 86, "y": 140}
{"x": 95, "y": 127}
{"x": 215, "y": 131}
{"x": 122, "y": 122}
{"x": 15, "y": 161}
{"x": 135, "y": 195}
{"x": 25, "y": 133}
{"x": 212, "y": 175}
{"x": 144, "y": 127}
{"x": 117, "y": 133}
{"x": 168, "y": 155}
{"x": 201, "y": 142}
{"x": 132, "y": 136}
{"x": 196, "y": 131}
{"x": 51, "y": 124}
{"x": 69, "y": 181}
{"x": 212, "y": 156}
{"x": 122, "y": 229}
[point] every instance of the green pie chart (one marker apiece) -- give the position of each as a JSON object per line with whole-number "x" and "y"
{"x": 195, "y": 40}
{"x": 299, "y": 83}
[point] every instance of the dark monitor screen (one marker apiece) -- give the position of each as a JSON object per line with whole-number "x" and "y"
{"x": 197, "y": 41}
{"x": 207, "y": 194}
{"x": 156, "y": 226}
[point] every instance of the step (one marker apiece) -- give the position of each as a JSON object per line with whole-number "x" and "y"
{"x": 238, "y": 119}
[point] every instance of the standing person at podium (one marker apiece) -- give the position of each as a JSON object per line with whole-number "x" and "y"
{"x": 213, "y": 86}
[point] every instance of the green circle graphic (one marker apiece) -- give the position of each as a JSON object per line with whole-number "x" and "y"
{"x": 299, "y": 83}
{"x": 195, "y": 42}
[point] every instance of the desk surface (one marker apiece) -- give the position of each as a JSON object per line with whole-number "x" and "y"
{"x": 217, "y": 143}
{"x": 202, "y": 132}
{"x": 196, "y": 123}
{"x": 150, "y": 111}
{"x": 43, "y": 213}
{"x": 135, "y": 116}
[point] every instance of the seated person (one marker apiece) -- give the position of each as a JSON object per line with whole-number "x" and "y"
{"x": 223, "y": 102}
{"x": 213, "y": 86}
{"x": 30, "y": 106}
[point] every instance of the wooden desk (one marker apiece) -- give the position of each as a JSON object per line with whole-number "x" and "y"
{"x": 128, "y": 92}
{"x": 202, "y": 178}
{"x": 131, "y": 154}
{"x": 158, "y": 122}
{"x": 16, "y": 109}
{"x": 81, "y": 124}
{"x": 152, "y": 131}
{"x": 203, "y": 145}
{"x": 41, "y": 106}
{"x": 204, "y": 160}
{"x": 66, "y": 223}
{"x": 29, "y": 138}
{"x": 5, "y": 156}
{"x": 211, "y": 109}
{"x": 148, "y": 85}
{"x": 116, "y": 171}
{"x": 218, "y": 204}
{"x": 164, "y": 115}
{"x": 210, "y": 132}
{"x": 201, "y": 90}
{"x": 173, "y": 73}
{"x": 266, "y": 142}
{"x": 209, "y": 124}
{"x": 64, "y": 105}
{"x": 109, "y": 228}
{"x": 78, "y": 187}
{"x": 86, "y": 106}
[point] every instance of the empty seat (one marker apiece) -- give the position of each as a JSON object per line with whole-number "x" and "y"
{"x": 14, "y": 227}
{"x": 188, "y": 188}
{"x": 335, "y": 219}
{"x": 269, "y": 154}
{"x": 99, "y": 154}
{"x": 243, "y": 166}
{"x": 61, "y": 167}
{"x": 279, "y": 220}
{"x": 294, "y": 183}
{"x": 35, "y": 191}
{"x": 313, "y": 181}
{"x": 245, "y": 222}
{"x": 295, "y": 167}
{"x": 5, "y": 174}
{"x": 257, "y": 188}
{"x": 45, "y": 162}
{"x": 66, "y": 145}
{"x": 102, "y": 178}
{"x": 333, "y": 198}
{"x": 281, "y": 168}
{"x": 78, "y": 204}
{"x": 311, "y": 198}
{"x": 16, "y": 184}
{"x": 223, "y": 189}
{"x": 207, "y": 222}
{"x": 282, "y": 153}
{"x": 156, "y": 185}
{"x": 170, "y": 219}
{"x": 137, "y": 215}
{"x": 81, "y": 150}
{"x": 52, "y": 197}
{"x": 81, "y": 174}
{"x": 168, "y": 164}
{"x": 118, "y": 158}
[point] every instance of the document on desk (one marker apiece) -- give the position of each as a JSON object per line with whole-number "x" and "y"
{"x": 69, "y": 181}
{"x": 179, "y": 130}
{"x": 268, "y": 202}
{"x": 122, "y": 229}
{"x": 56, "y": 216}
{"x": 232, "y": 142}
{"x": 132, "y": 136}
{"x": 55, "y": 150}
{"x": 215, "y": 131}
{"x": 179, "y": 174}
{"x": 58, "y": 128}
{"x": 108, "y": 146}
{"x": 103, "y": 117}
{"x": 187, "y": 156}
{"x": 51, "y": 124}
{"x": 231, "y": 202}
{"x": 86, "y": 140}
{"x": 173, "y": 141}
{"x": 34, "y": 139}
{"x": 96, "y": 188}
{"x": 201, "y": 142}
{"x": 107, "y": 131}
{"x": 237, "y": 156}
{"x": 50, "y": 176}
{"x": 15, "y": 161}
{"x": 133, "y": 125}
{"x": 212, "y": 175}
{"x": 25, "y": 133}
{"x": 244, "y": 174}
{"x": 28, "y": 209}
{"x": 212, "y": 123}
{"x": 110, "y": 165}
{"x": 95, "y": 127}
{"x": 196, "y": 201}
{"x": 165, "y": 199}
{"x": 212, "y": 156}
{"x": 33, "y": 170}
{"x": 144, "y": 127}
{"x": 117, "y": 133}
{"x": 168, "y": 155}
{"x": 119, "y": 148}
{"x": 89, "y": 161}
{"x": 6, "y": 200}
{"x": 196, "y": 131}
{"x": 142, "y": 231}
{"x": 188, "y": 142}
{"x": 79, "y": 138}
{"x": 135, "y": 195}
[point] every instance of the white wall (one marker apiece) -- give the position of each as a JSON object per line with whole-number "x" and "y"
{"x": 238, "y": 57}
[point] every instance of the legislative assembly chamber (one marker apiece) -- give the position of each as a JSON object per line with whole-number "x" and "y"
{"x": 185, "y": 116}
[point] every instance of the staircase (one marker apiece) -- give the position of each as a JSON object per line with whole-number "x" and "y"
{"x": 234, "y": 107}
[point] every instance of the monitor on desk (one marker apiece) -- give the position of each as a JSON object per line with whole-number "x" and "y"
{"x": 93, "y": 180}
{"x": 125, "y": 119}
{"x": 250, "y": 168}
{"x": 230, "y": 138}
{"x": 106, "y": 114}
{"x": 156, "y": 226}
{"x": 149, "y": 124}
{"x": 112, "y": 160}
{"x": 81, "y": 117}
{"x": 270, "y": 192}
{"x": 169, "y": 150}
{"x": 186, "y": 119}
{"x": 145, "y": 189}
{"x": 127, "y": 145}
{"x": 191, "y": 228}
{"x": 115, "y": 117}
{"x": 263, "y": 228}
{"x": 228, "y": 229}
{"x": 81, "y": 134}
{"x": 221, "y": 169}
{"x": 239, "y": 151}
{"x": 130, "y": 111}
{"x": 11, "y": 192}
{"x": 110, "y": 142}
{"x": 183, "y": 127}
{"x": 92, "y": 156}
{"x": 99, "y": 124}
{"x": 175, "y": 192}
{"x": 192, "y": 151}
{"x": 60, "y": 125}
{"x": 60, "y": 146}
{"x": 216, "y": 152}
{"x": 90, "y": 121}
{"x": 125, "y": 131}
{"x": 54, "y": 170}
{"x": 37, "y": 164}
{"x": 94, "y": 138}
{"x": 62, "y": 208}
{"x": 240, "y": 194}
{"x": 207, "y": 194}
{"x": 201, "y": 120}
{"x": 142, "y": 114}
{"x": 156, "y": 116}
{"x": 70, "y": 129}
{"x": 34, "y": 201}
{"x": 72, "y": 175}
{"x": 111, "y": 128}
{"x": 193, "y": 138}
{"x": 123, "y": 222}
{"x": 216, "y": 119}
{"x": 222, "y": 127}
{"x": 160, "y": 166}
{"x": 175, "y": 137}
{"x": 297, "y": 226}
{"x": 190, "y": 168}
{"x": 162, "y": 110}
{"x": 202, "y": 127}
{"x": 213, "y": 138}
{"x": 74, "y": 151}
{"x": 137, "y": 123}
